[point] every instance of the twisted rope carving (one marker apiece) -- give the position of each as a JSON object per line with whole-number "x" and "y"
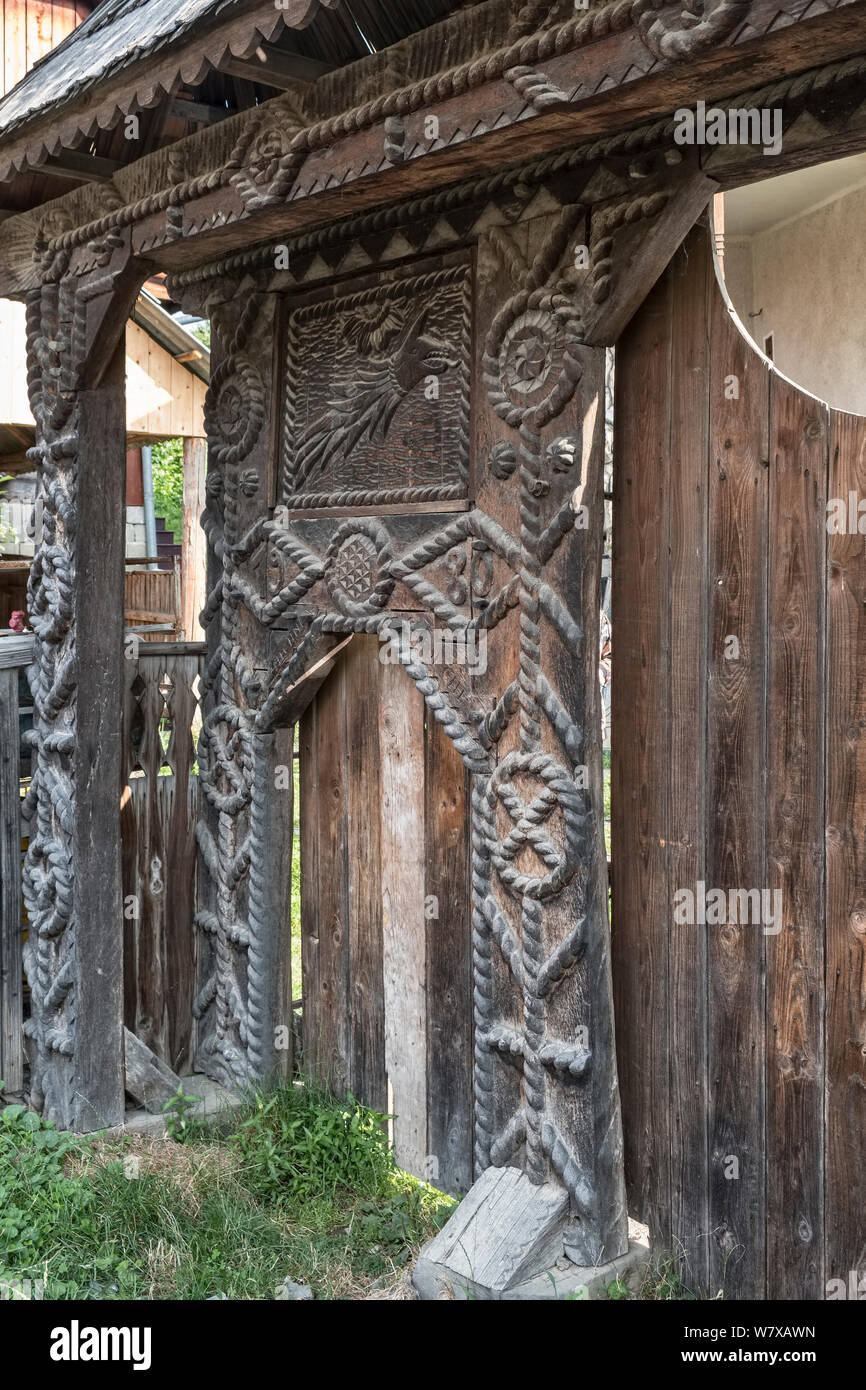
{"x": 482, "y": 975}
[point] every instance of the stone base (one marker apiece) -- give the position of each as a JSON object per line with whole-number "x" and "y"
{"x": 506, "y": 1241}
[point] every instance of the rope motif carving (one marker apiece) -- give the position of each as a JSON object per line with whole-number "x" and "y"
{"x": 531, "y": 818}
{"x": 49, "y": 953}
{"x": 532, "y": 365}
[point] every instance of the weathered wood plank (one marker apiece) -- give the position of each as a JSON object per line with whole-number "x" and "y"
{"x": 846, "y": 866}
{"x": 308, "y": 786}
{"x": 146, "y": 1077}
{"x": 736, "y": 792}
{"x": 639, "y": 744}
{"x": 97, "y": 1089}
{"x": 11, "y": 977}
{"x": 795, "y": 843}
{"x": 158, "y": 816}
{"x": 178, "y": 809}
{"x": 401, "y": 741}
{"x": 684, "y": 826}
{"x": 449, "y": 962}
{"x": 329, "y": 1055}
{"x": 366, "y": 1003}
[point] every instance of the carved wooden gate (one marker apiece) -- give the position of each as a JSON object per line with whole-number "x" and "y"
{"x": 413, "y": 450}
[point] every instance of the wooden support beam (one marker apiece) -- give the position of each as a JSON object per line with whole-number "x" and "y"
{"x": 274, "y": 67}
{"x": 147, "y": 1079}
{"x": 83, "y": 168}
{"x": 98, "y": 620}
{"x": 199, "y": 112}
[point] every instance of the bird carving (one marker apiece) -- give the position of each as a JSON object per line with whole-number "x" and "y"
{"x": 373, "y": 386}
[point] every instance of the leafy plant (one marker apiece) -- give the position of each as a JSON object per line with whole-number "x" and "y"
{"x": 221, "y": 1213}
{"x": 303, "y": 1142}
{"x": 34, "y": 1191}
{"x": 167, "y": 469}
{"x": 177, "y": 1114}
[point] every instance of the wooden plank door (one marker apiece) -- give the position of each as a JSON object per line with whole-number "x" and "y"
{"x": 386, "y": 942}
{"x": 737, "y": 746}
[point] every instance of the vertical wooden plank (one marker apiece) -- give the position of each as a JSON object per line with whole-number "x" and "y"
{"x": 270, "y": 892}
{"x": 151, "y": 958}
{"x": 15, "y": 45}
{"x": 64, "y": 20}
{"x": 129, "y": 817}
{"x": 367, "y": 1075}
{"x": 736, "y": 794}
{"x": 193, "y": 543}
{"x": 639, "y": 743}
{"x": 38, "y": 30}
{"x": 693, "y": 282}
{"x": 96, "y": 760}
{"x": 845, "y": 1227}
{"x": 11, "y": 990}
{"x": 449, "y": 963}
{"x": 308, "y": 789}
{"x": 180, "y": 385}
{"x": 401, "y": 742}
{"x": 795, "y": 846}
{"x": 159, "y": 366}
{"x": 178, "y": 811}
{"x": 329, "y": 1057}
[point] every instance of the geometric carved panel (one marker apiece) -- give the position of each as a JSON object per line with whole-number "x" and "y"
{"x": 377, "y": 393}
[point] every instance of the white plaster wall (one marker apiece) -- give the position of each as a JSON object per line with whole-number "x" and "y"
{"x": 808, "y": 277}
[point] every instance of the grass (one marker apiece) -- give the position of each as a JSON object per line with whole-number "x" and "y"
{"x": 302, "y": 1187}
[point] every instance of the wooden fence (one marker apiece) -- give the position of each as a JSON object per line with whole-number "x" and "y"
{"x": 159, "y": 809}
{"x": 739, "y": 719}
{"x": 157, "y": 813}
{"x": 15, "y": 657}
{"x": 153, "y": 598}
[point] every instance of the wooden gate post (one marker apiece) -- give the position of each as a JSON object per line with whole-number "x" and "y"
{"x": 72, "y": 877}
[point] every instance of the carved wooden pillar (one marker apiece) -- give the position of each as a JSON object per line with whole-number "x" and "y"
{"x": 72, "y": 879}
{"x": 546, "y": 1091}
{"x": 243, "y": 999}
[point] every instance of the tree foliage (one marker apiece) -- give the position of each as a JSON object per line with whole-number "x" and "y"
{"x": 168, "y": 484}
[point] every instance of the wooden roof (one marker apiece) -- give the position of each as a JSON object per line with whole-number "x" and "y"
{"x": 124, "y": 36}
{"x": 179, "y": 65}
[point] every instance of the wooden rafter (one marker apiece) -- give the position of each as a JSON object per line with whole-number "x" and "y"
{"x": 274, "y": 67}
